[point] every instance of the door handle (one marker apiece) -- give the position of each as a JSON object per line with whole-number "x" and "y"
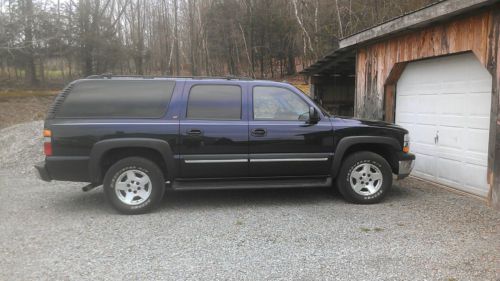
{"x": 436, "y": 138}
{"x": 195, "y": 132}
{"x": 258, "y": 132}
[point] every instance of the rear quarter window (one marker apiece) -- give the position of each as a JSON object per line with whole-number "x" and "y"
{"x": 115, "y": 98}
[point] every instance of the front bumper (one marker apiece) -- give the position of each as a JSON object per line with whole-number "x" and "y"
{"x": 42, "y": 171}
{"x": 406, "y": 164}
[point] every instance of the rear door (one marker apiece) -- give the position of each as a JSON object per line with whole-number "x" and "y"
{"x": 214, "y": 130}
{"x": 282, "y": 143}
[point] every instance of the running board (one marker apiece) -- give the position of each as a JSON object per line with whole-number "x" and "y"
{"x": 251, "y": 184}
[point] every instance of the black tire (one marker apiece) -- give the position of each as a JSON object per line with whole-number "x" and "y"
{"x": 141, "y": 166}
{"x": 357, "y": 160}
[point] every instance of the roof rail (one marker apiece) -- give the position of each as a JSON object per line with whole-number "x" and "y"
{"x": 110, "y": 76}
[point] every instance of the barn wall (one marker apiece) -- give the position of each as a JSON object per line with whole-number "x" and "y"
{"x": 375, "y": 62}
{"x": 380, "y": 64}
{"x": 493, "y": 65}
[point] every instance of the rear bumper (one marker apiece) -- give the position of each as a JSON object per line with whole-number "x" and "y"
{"x": 406, "y": 164}
{"x": 64, "y": 168}
{"x": 42, "y": 171}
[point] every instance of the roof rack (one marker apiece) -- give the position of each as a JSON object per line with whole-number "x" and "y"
{"x": 110, "y": 76}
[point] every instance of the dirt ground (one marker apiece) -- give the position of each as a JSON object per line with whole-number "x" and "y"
{"x": 20, "y": 109}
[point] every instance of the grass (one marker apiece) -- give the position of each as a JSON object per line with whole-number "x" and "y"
{"x": 20, "y": 93}
{"x": 376, "y": 229}
{"x": 365, "y": 229}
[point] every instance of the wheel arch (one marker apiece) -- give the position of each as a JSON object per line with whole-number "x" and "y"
{"x": 386, "y": 147}
{"x": 156, "y": 150}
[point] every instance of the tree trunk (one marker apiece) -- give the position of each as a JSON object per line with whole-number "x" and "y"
{"x": 176, "y": 38}
{"x": 30, "y": 67}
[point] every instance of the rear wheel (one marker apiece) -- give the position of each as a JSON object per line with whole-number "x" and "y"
{"x": 134, "y": 185}
{"x": 364, "y": 178}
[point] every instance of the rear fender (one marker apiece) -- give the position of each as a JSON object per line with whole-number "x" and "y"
{"x": 100, "y": 148}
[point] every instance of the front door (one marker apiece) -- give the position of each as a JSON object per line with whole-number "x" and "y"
{"x": 214, "y": 131}
{"x": 282, "y": 142}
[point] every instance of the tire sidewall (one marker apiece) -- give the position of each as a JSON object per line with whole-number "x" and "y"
{"x": 364, "y": 158}
{"x": 143, "y": 165}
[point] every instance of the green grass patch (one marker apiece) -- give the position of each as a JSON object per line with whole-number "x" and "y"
{"x": 376, "y": 229}
{"x": 365, "y": 229}
{"x": 17, "y": 93}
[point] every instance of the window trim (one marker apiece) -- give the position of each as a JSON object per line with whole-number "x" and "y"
{"x": 213, "y": 119}
{"x": 162, "y": 116}
{"x": 277, "y": 120}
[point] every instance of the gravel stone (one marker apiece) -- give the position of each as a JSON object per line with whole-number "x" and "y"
{"x": 54, "y": 231}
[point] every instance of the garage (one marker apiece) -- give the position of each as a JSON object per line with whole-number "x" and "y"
{"x": 445, "y": 104}
{"x": 436, "y": 72}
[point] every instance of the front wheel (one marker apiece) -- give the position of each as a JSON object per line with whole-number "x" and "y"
{"x": 134, "y": 185}
{"x": 364, "y": 178}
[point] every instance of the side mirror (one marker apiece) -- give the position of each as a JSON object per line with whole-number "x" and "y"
{"x": 313, "y": 115}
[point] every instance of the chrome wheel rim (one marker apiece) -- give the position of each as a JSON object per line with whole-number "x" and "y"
{"x": 133, "y": 187}
{"x": 366, "y": 179}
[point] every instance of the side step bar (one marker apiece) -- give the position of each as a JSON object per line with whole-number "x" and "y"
{"x": 251, "y": 184}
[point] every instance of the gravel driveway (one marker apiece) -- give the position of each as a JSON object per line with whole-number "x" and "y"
{"x": 54, "y": 231}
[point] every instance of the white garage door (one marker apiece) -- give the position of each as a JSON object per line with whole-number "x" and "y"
{"x": 445, "y": 104}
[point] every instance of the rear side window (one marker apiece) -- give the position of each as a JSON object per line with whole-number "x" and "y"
{"x": 214, "y": 102}
{"x": 115, "y": 98}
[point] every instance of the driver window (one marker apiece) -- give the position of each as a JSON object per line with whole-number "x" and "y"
{"x": 274, "y": 103}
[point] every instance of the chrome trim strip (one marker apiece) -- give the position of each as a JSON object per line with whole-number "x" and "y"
{"x": 73, "y": 124}
{"x": 204, "y": 161}
{"x": 290, "y": 160}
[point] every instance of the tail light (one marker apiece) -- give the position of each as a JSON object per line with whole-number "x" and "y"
{"x": 47, "y": 142}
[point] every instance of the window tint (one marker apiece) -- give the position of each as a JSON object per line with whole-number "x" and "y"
{"x": 216, "y": 102}
{"x": 273, "y": 103}
{"x": 115, "y": 98}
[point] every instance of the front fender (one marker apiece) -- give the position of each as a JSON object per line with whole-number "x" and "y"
{"x": 347, "y": 142}
{"x": 101, "y": 147}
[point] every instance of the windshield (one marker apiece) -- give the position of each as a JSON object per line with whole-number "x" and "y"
{"x": 323, "y": 110}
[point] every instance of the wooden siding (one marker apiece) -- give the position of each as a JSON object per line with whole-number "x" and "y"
{"x": 493, "y": 66}
{"x": 375, "y": 62}
{"x": 380, "y": 64}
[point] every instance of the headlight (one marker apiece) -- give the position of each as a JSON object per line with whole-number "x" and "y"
{"x": 406, "y": 143}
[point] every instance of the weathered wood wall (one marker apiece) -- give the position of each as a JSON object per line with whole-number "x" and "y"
{"x": 493, "y": 66}
{"x": 375, "y": 62}
{"x": 379, "y": 65}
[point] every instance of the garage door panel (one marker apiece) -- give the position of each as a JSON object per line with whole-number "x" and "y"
{"x": 475, "y": 180}
{"x": 477, "y": 102}
{"x": 477, "y": 159}
{"x": 447, "y": 97}
{"x": 406, "y": 104}
{"x": 451, "y": 121}
{"x": 476, "y": 140}
{"x": 425, "y": 104}
{"x": 450, "y": 137}
{"x": 476, "y": 122}
{"x": 423, "y": 134}
{"x": 426, "y": 167}
{"x": 449, "y": 170}
{"x": 425, "y": 119}
{"x": 479, "y": 86}
{"x": 452, "y": 104}
{"x": 425, "y": 149}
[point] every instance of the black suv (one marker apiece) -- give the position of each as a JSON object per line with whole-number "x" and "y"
{"x": 137, "y": 136}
